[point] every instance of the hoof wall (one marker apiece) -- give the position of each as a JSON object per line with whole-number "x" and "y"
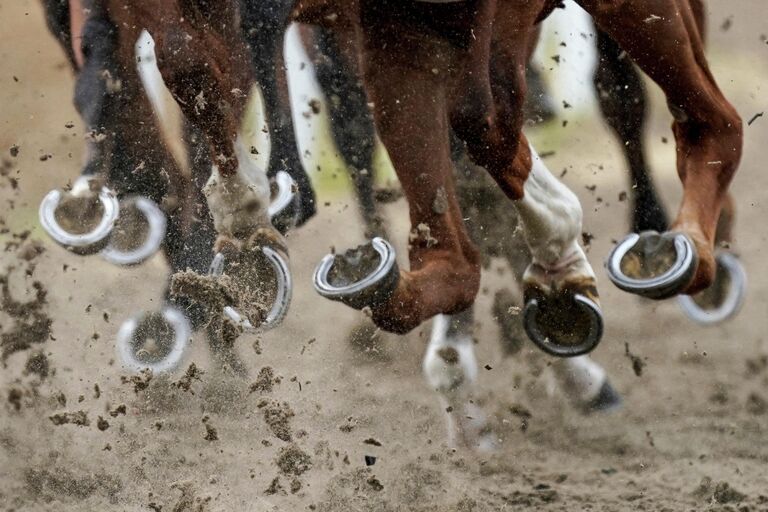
{"x": 362, "y": 277}
{"x": 653, "y": 265}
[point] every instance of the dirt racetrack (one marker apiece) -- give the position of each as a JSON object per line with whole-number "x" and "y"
{"x": 78, "y": 433}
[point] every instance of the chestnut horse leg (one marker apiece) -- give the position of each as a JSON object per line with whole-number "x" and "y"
{"x": 406, "y": 74}
{"x": 562, "y": 315}
{"x": 708, "y": 132}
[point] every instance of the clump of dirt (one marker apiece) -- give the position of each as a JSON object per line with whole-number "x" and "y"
{"x": 119, "y": 410}
{"x": 211, "y": 434}
{"x": 720, "y": 492}
{"x": 355, "y": 490}
{"x": 59, "y": 482}
{"x": 248, "y": 286}
{"x": 637, "y": 363}
{"x": 140, "y": 382}
{"x": 422, "y": 234}
{"x": 102, "y": 424}
{"x": 213, "y": 292}
{"x": 265, "y": 381}
{"x": 79, "y": 418}
{"x": 354, "y": 265}
{"x": 31, "y": 322}
{"x": 277, "y": 415}
{"x": 189, "y": 501}
{"x": 756, "y": 404}
{"x": 37, "y": 364}
{"x": 292, "y": 460}
{"x": 192, "y": 374}
{"x": 275, "y": 487}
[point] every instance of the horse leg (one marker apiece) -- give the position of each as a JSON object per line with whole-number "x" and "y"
{"x": 351, "y": 121}
{"x": 561, "y": 315}
{"x": 444, "y": 266}
{"x": 450, "y": 368}
{"x": 202, "y": 69}
{"x": 264, "y": 24}
{"x": 622, "y": 100}
{"x": 708, "y": 132}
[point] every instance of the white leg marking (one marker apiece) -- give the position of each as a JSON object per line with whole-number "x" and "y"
{"x": 551, "y": 218}
{"x": 580, "y": 378}
{"x": 239, "y": 203}
{"x": 450, "y": 368}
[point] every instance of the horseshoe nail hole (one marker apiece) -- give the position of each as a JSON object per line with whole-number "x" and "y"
{"x": 650, "y": 257}
{"x": 79, "y": 214}
{"x": 354, "y": 265}
{"x": 131, "y": 229}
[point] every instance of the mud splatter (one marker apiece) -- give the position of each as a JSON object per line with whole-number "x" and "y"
{"x": 277, "y": 416}
{"x": 292, "y": 460}
{"x": 31, "y": 322}
{"x": 79, "y": 418}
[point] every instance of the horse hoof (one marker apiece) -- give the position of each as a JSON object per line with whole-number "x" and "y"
{"x": 280, "y": 291}
{"x": 653, "y": 265}
{"x": 79, "y": 220}
{"x": 564, "y": 326}
{"x": 723, "y": 299}
{"x": 138, "y": 233}
{"x": 284, "y": 209}
{"x": 154, "y": 341}
{"x": 361, "y": 277}
{"x": 607, "y": 400}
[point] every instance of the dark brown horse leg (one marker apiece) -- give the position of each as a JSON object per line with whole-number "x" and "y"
{"x": 264, "y": 24}
{"x": 622, "y": 100}
{"x": 204, "y": 66}
{"x": 351, "y": 120}
{"x": 662, "y": 37}
{"x": 122, "y": 137}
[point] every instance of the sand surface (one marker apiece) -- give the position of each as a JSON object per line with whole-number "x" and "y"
{"x": 79, "y": 433}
